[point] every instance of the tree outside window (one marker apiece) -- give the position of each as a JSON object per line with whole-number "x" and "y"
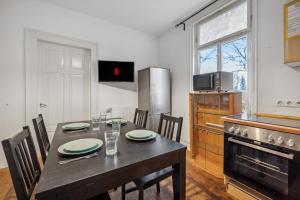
{"x": 234, "y": 59}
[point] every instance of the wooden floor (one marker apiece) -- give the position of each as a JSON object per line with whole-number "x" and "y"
{"x": 199, "y": 186}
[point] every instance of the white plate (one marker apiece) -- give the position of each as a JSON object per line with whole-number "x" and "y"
{"x": 123, "y": 121}
{"x": 75, "y": 126}
{"x": 81, "y": 145}
{"x": 96, "y": 142}
{"x": 140, "y": 134}
{"x": 153, "y": 135}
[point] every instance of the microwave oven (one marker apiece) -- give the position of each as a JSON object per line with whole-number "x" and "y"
{"x": 216, "y": 81}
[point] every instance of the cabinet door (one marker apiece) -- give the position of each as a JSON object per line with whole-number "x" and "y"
{"x": 225, "y": 103}
{"x": 200, "y": 139}
{"x": 200, "y": 119}
{"x": 200, "y": 102}
{"x": 214, "y": 164}
{"x": 200, "y": 157}
{"x": 215, "y": 142}
{"x": 212, "y": 102}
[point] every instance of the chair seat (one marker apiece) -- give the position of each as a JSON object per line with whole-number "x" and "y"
{"x": 154, "y": 177}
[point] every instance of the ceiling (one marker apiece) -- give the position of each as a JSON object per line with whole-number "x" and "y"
{"x": 152, "y": 16}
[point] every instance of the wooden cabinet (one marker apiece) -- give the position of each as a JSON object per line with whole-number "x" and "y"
{"x": 292, "y": 33}
{"x": 206, "y": 127}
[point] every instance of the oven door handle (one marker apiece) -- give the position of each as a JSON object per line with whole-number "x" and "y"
{"x": 277, "y": 153}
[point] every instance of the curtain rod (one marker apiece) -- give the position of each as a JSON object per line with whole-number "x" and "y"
{"x": 197, "y": 12}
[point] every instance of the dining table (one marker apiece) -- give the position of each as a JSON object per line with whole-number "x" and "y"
{"x": 87, "y": 178}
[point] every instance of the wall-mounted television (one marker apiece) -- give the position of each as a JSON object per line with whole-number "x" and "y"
{"x": 115, "y": 71}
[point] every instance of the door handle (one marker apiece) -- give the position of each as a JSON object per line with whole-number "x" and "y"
{"x": 276, "y": 153}
{"x": 214, "y": 125}
{"x": 42, "y": 105}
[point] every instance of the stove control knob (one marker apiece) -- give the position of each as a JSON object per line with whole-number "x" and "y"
{"x": 291, "y": 142}
{"x": 237, "y": 131}
{"x": 270, "y": 138}
{"x": 245, "y": 133}
{"x": 280, "y": 140}
{"x": 231, "y": 129}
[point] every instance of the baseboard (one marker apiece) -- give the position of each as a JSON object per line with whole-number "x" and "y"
{"x": 3, "y": 165}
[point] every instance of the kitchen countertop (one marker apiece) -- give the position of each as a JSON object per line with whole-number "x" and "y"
{"x": 285, "y": 125}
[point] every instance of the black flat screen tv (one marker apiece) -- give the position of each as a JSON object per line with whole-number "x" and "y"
{"x": 115, "y": 71}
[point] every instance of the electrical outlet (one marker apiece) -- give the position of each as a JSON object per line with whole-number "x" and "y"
{"x": 288, "y": 103}
{"x": 280, "y": 103}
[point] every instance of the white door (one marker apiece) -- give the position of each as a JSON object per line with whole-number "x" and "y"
{"x": 64, "y": 83}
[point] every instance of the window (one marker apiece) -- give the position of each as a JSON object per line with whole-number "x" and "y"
{"x": 222, "y": 45}
{"x": 234, "y": 59}
{"x": 230, "y": 21}
{"x": 208, "y": 60}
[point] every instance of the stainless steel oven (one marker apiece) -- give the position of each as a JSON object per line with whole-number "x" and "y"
{"x": 265, "y": 160}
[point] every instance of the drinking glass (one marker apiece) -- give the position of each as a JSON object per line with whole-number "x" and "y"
{"x": 110, "y": 143}
{"x": 115, "y": 127}
{"x": 95, "y": 123}
{"x": 102, "y": 122}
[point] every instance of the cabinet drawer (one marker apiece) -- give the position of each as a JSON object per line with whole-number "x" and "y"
{"x": 211, "y": 120}
{"x": 214, "y": 121}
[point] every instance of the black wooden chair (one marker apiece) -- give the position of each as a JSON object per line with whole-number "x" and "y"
{"x": 22, "y": 162}
{"x": 166, "y": 128}
{"x": 140, "y": 118}
{"x": 42, "y": 136}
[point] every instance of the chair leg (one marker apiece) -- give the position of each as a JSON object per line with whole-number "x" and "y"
{"x": 123, "y": 192}
{"x": 158, "y": 187}
{"x": 141, "y": 194}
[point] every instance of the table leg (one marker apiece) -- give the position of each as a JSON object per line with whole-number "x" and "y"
{"x": 179, "y": 177}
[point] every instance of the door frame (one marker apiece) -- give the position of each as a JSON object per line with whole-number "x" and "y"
{"x": 32, "y": 37}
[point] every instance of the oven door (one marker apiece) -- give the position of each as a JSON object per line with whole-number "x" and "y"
{"x": 203, "y": 82}
{"x": 259, "y": 166}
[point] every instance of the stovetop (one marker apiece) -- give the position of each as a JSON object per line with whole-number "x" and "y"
{"x": 268, "y": 120}
{"x": 258, "y": 133}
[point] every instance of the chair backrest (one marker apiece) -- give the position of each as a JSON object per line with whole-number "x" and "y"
{"x": 167, "y": 125}
{"x": 42, "y": 136}
{"x": 22, "y": 162}
{"x": 140, "y": 117}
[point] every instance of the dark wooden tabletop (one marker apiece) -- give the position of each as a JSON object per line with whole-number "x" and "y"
{"x": 86, "y": 178}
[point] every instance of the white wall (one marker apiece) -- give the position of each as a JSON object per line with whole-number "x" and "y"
{"x": 275, "y": 80}
{"x": 174, "y": 51}
{"x": 114, "y": 43}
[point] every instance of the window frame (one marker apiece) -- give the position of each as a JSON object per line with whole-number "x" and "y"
{"x": 224, "y": 39}
{"x": 219, "y": 45}
{"x": 251, "y": 102}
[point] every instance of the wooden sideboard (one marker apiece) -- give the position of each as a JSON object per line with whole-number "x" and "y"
{"x": 207, "y": 127}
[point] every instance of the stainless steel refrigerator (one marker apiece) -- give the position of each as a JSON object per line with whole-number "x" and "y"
{"x": 154, "y": 93}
